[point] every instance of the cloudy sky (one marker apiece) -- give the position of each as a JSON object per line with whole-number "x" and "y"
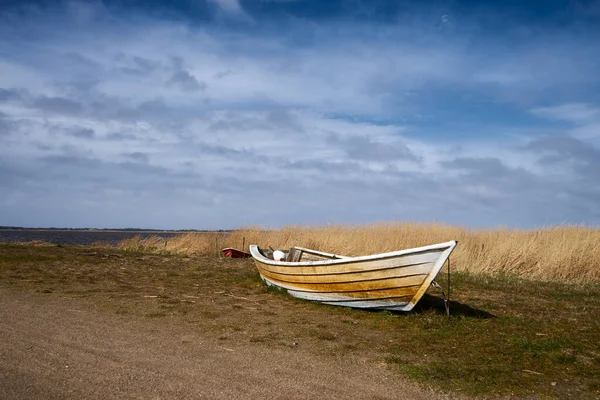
{"x": 216, "y": 114}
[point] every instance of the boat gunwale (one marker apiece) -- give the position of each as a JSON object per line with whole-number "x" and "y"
{"x": 264, "y": 260}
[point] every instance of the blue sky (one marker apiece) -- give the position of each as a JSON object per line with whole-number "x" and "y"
{"x": 216, "y": 114}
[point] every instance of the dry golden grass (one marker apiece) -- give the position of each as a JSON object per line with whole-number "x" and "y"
{"x": 570, "y": 254}
{"x": 205, "y": 243}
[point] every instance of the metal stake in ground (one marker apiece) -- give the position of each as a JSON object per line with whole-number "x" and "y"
{"x": 446, "y": 298}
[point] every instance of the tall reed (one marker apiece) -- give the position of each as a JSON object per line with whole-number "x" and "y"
{"x": 563, "y": 253}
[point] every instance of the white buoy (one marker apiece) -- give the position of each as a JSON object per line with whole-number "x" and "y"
{"x": 278, "y": 255}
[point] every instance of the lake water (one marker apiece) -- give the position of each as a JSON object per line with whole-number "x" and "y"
{"x": 75, "y": 237}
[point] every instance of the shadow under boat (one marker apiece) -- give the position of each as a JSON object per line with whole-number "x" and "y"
{"x": 436, "y": 304}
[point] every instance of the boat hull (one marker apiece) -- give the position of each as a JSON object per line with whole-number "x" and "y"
{"x": 235, "y": 253}
{"x": 389, "y": 281}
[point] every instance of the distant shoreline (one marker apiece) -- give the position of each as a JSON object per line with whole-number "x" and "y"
{"x": 92, "y": 230}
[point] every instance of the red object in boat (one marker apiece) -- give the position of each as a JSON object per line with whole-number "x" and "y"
{"x": 235, "y": 253}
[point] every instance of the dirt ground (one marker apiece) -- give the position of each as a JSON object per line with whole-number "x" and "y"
{"x": 56, "y": 345}
{"x": 100, "y": 322}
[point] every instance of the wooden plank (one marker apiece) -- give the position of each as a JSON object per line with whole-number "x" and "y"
{"x": 321, "y": 253}
{"x": 294, "y": 255}
{"x": 359, "y": 276}
{"x": 342, "y": 268}
{"x": 392, "y": 281}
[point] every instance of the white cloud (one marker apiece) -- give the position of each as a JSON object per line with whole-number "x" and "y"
{"x": 577, "y": 113}
{"x": 233, "y": 10}
{"x": 229, "y": 6}
{"x": 158, "y": 115}
{"x": 589, "y": 131}
{"x": 585, "y": 117}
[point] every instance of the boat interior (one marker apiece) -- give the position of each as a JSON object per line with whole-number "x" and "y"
{"x": 297, "y": 254}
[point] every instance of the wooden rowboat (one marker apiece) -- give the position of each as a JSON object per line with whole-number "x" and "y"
{"x": 235, "y": 253}
{"x": 388, "y": 281}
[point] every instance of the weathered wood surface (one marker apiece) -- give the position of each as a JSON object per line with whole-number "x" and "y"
{"x": 319, "y": 253}
{"x": 393, "y": 281}
{"x": 294, "y": 255}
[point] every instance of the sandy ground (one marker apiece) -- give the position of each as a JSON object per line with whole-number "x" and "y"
{"x": 58, "y": 348}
